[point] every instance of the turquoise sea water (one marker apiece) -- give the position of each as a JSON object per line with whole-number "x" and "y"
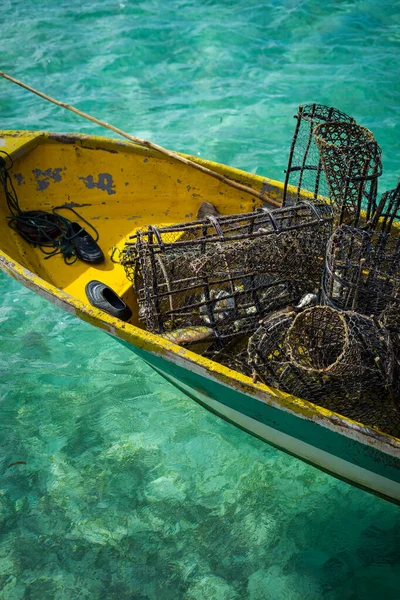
{"x": 131, "y": 490}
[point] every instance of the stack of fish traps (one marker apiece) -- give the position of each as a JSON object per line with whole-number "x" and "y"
{"x": 304, "y": 298}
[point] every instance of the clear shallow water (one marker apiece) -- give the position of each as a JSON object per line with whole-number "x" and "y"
{"x": 130, "y": 489}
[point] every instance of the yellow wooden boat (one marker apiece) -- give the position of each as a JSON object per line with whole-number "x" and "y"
{"x": 120, "y": 187}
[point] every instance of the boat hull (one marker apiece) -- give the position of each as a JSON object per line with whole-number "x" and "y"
{"x": 345, "y": 457}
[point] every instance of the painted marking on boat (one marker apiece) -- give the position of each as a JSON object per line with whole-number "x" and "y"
{"x": 43, "y": 178}
{"x": 76, "y": 205}
{"x": 19, "y": 178}
{"x": 104, "y": 183}
{"x": 265, "y": 187}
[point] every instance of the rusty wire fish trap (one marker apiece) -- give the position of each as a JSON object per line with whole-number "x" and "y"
{"x": 233, "y": 354}
{"x": 390, "y": 318}
{"x": 342, "y": 361}
{"x": 362, "y": 271}
{"x": 387, "y": 212}
{"x": 304, "y": 173}
{"x": 351, "y": 160}
{"x": 225, "y": 273}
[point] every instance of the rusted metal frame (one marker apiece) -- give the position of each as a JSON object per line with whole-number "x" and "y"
{"x": 292, "y": 146}
{"x": 347, "y": 180}
{"x": 267, "y": 362}
{"x": 331, "y": 269}
{"x": 167, "y": 282}
{"x": 214, "y": 222}
{"x": 284, "y": 358}
{"x": 206, "y": 292}
{"x": 279, "y": 213}
{"x": 199, "y": 225}
{"x": 394, "y": 266}
{"x": 314, "y": 210}
{"x": 226, "y": 219}
{"x": 373, "y": 222}
{"x": 379, "y": 255}
{"x": 210, "y": 309}
{"x": 310, "y": 138}
{"x": 203, "y": 240}
{"x": 254, "y": 294}
{"x": 155, "y": 230}
{"x": 358, "y": 282}
{"x": 237, "y": 292}
{"x": 371, "y": 196}
{"x": 214, "y": 240}
{"x": 319, "y": 167}
{"x": 350, "y": 284}
{"x": 221, "y": 281}
{"x": 393, "y": 209}
{"x": 360, "y": 193}
{"x": 160, "y": 322}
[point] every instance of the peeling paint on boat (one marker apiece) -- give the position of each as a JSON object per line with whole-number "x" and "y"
{"x": 43, "y": 178}
{"x": 104, "y": 182}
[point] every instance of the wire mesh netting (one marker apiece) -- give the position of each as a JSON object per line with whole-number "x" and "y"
{"x": 304, "y": 173}
{"x": 362, "y": 271}
{"x": 351, "y": 159}
{"x": 343, "y": 361}
{"x": 225, "y": 273}
{"x": 387, "y": 212}
{"x": 390, "y": 318}
{"x": 232, "y": 355}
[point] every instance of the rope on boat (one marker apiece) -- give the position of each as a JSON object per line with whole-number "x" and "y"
{"x": 46, "y": 230}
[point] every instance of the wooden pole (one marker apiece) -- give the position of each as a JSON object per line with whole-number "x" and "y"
{"x": 169, "y": 153}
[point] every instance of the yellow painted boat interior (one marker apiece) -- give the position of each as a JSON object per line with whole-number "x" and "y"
{"x": 118, "y": 187}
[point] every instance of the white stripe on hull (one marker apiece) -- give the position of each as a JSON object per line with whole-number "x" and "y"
{"x": 330, "y": 462}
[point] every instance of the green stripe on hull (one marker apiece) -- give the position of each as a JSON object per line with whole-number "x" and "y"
{"x": 309, "y": 432}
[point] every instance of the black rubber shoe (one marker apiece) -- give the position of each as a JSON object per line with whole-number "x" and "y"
{"x": 103, "y": 297}
{"x": 85, "y": 247}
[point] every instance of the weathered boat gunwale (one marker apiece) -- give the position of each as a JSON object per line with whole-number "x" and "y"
{"x": 106, "y": 144}
{"x": 380, "y": 447}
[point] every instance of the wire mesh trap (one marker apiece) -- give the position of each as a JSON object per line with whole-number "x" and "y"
{"x": 233, "y": 355}
{"x": 304, "y": 173}
{"x": 342, "y": 361}
{"x": 226, "y": 273}
{"x": 390, "y": 318}
{"x": 387, "y": 212}
{"x": 351, "y": 160}
{"x": 362, "y": 271}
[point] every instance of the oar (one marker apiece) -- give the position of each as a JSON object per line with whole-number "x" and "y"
{"x": 186, "y": 161}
